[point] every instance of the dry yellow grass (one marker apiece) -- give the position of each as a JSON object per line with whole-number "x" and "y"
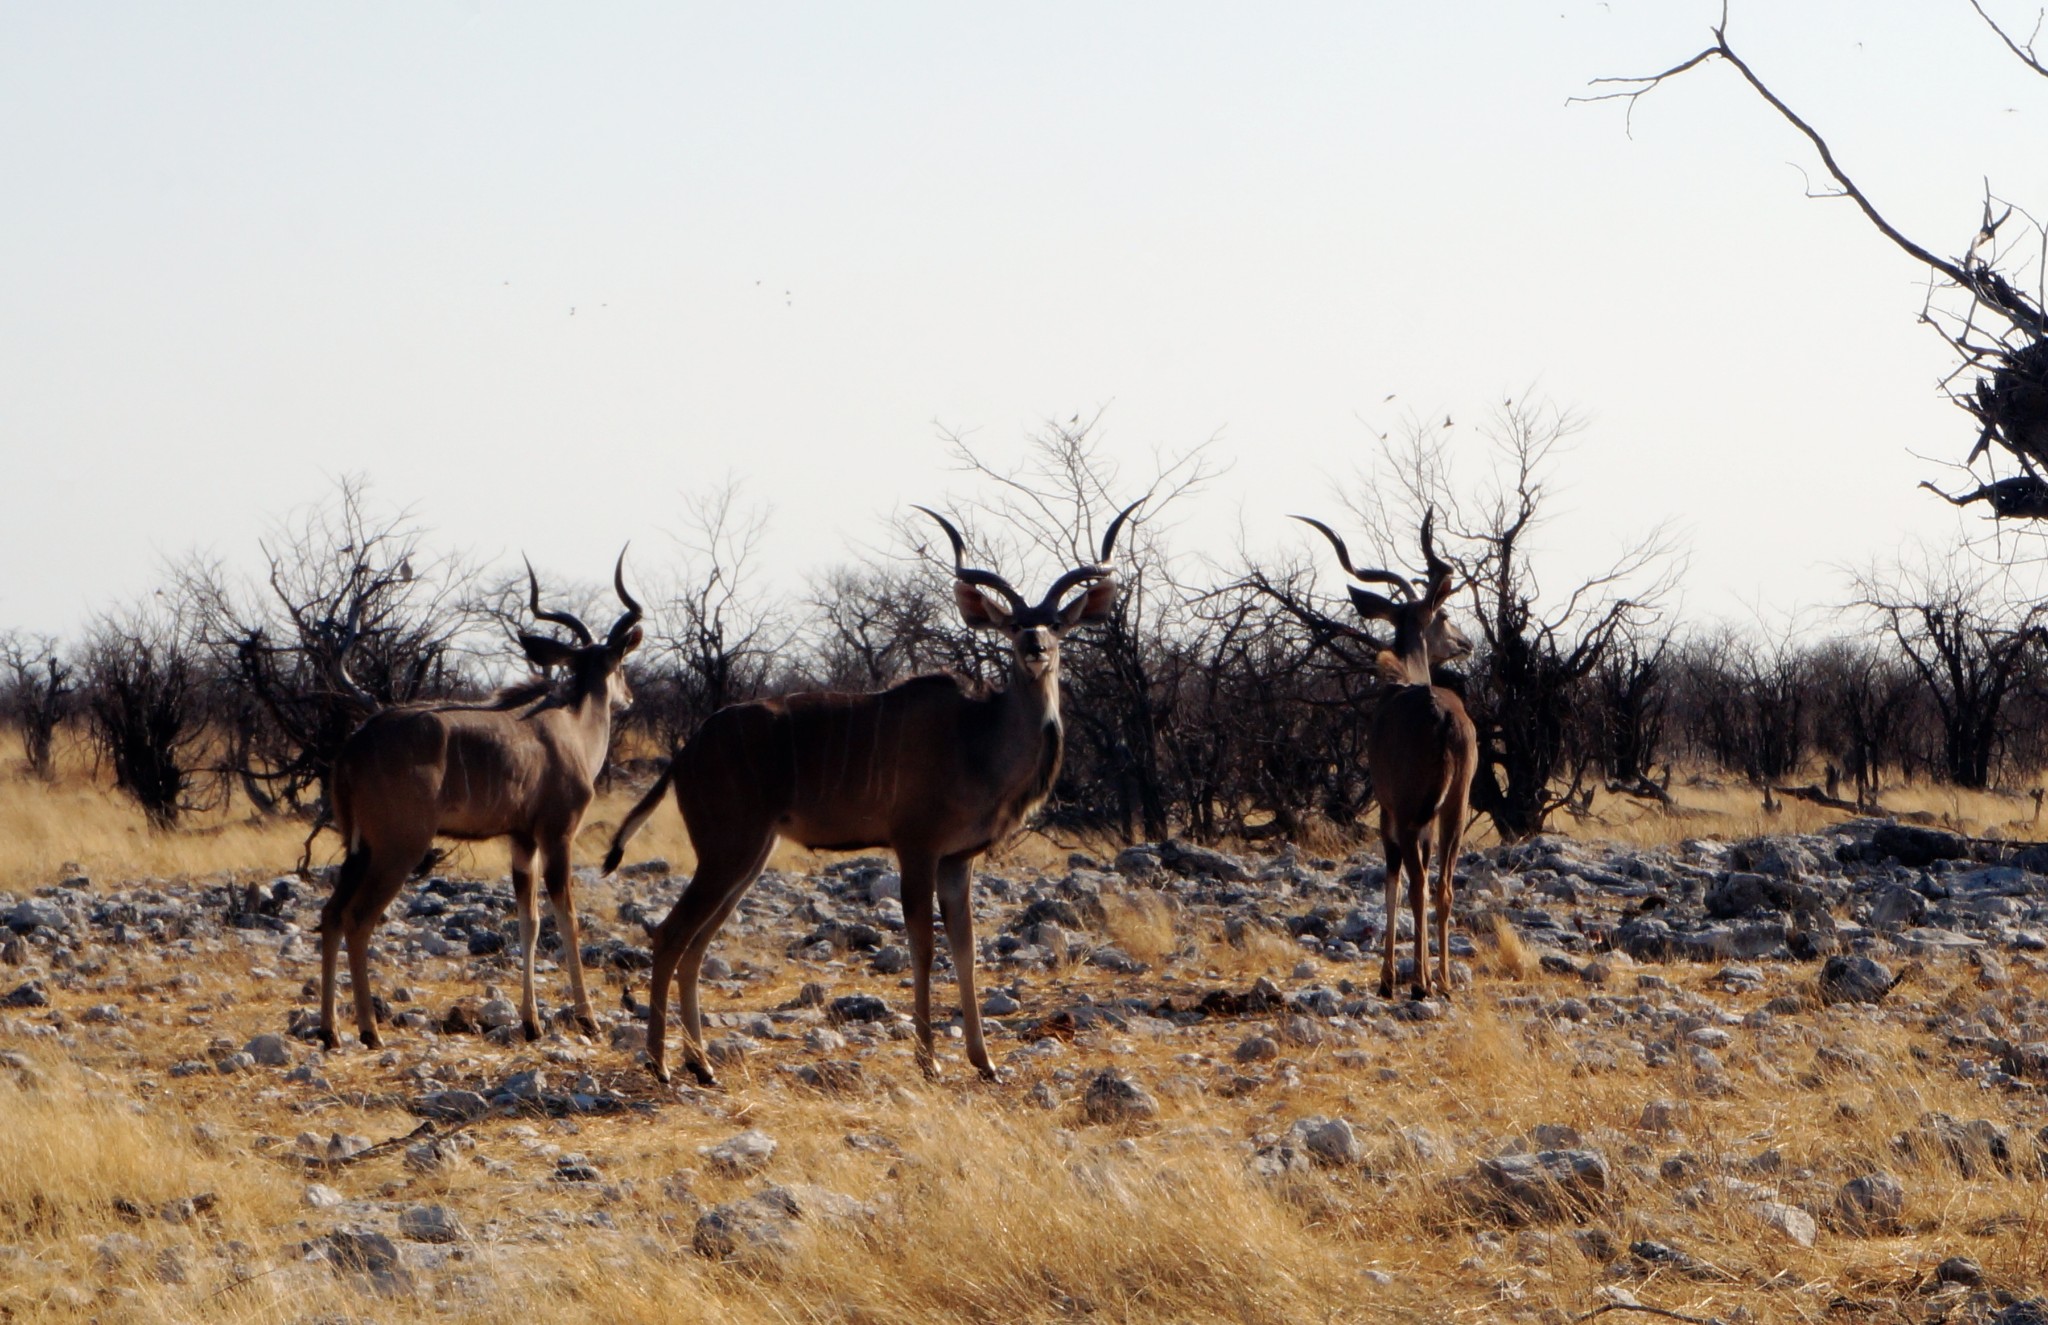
{"x": 986, "y": 1208}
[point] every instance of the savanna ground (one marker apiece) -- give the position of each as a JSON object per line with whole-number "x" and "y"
{"x": 978, "y": 1202}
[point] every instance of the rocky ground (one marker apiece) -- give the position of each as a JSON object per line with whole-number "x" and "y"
{"x": 1794, "y": 1076}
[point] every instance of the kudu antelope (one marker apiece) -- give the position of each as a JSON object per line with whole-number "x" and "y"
{"x": 928, "y": 768}
{"x": 519, "y": 766}
{"x": 1422, "y": 750}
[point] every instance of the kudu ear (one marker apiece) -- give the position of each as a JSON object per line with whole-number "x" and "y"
{"x": 1372, "y": 606}
{"x": 544, "y": 652}
{"x": 1440, "y": 591}
{"x": 629, "y": 643}
{"x": 1094, "y": 605}
{"x": 978, "y": 610}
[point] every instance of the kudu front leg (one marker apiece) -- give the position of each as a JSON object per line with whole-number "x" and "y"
{"x": 555, "y": 863}
{"x": 1392, "y": 929}
{"x": 1450, "y": 841}
{"x": 920, "y": 880}
{"x": 528, "y": 908}
{"x": 956, "y": 904}
{"x": 1417, "y": 855}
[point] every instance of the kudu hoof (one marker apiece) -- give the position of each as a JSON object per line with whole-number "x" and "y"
{"x": 585, "y": 1024}
{"x": 532, "y": 1029}
{"x": 329, "y": 1041}
{"x": 703, "y": 1075}
{"x": 372, "y": 1040}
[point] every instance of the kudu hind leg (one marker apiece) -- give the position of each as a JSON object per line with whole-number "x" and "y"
{"x": 920, "y": 880}
{"x": 382, "y": 881}
{"x": 1450, "y": 830}
{"x": 333, "y": 923}
{"x": 679, "y": 946}
{"x": 1415, "y": 852}
{"x": 956, "y": 904}
{"x": 1392, "y": 928}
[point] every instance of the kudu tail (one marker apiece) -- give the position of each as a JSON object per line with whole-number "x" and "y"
{"x": 647, "y": 805}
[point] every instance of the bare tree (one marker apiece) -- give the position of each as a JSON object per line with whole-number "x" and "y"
{"x": 1969, "y": 646}
{"x": 716, "y": 636}
{"x": 145, "y": 692}
{"x": 1051, "y": 497}
{"x": 1867, "y": 708}
{"x": 354, "y": 613}
{"x": 1983, "y": 302}
{"x": 1626, "y": 719}
{"x": 35, "y": 685}
{"x": 1536, "y": 651}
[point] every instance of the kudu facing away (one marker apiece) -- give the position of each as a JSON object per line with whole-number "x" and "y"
{"x": 928, "y": 768}
{"x": 519, "y": 766}
{"x": 1422, "y": 751}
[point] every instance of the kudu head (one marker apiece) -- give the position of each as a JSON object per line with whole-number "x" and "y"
{"x": 1421, "y": 630}
{"x": 592, "y": 666}
{"x": 1034, "y": 631}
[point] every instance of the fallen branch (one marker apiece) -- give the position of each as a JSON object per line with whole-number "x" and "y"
{"x": 1650, "y": 1311}
{"x": 324, "y": 1163}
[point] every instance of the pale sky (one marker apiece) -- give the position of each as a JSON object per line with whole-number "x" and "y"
{"x": 251, "y": 247}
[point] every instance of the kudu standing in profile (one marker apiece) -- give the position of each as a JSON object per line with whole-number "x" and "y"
{"x": 929, "y": 768}
{"x": 1422, "y": 750}
{"x": 520, "y": 766}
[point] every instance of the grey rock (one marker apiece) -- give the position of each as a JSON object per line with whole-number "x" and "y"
{"x": 1959, "y": 1270}
{"x": 1854, "y": 980}
{"x": 1872, "y": 1203}
{"x": 1896, "y": 907}
{"x": 737, "y": 1156}
{"x": 1115, "y": 959}
{"x": 320, "y": 1196}
{"x": 435, "y": 1156}
{"x": 431, "y": 1223}
{"x": 1328, "y": 1141}
{"x": 525, "y": 1087}
{"x": 890, "y": 960}
{"x": 1200, "y": 862}
{"x": 497, "y": 1013}
{"x": 1112, "y": 1097}
{"x": 1914, "y": 846}
{"x": 37, "y": 913}
{"x": 1138, "y": 862}
{"x": 574, "y": 1167}
{"x": 1795, "y": 1224}
{"x": 1257, "y": 1049}
{"x": 269, "y": 1050}
{"x": 2033, "y": 1311}
{"x": 764, "y": 1227}
{"x": 357, "y": 1249}
{"x": 30, "y": 995}
{"x": 1550, "y": 1184}
{"x": 858, "y": 1007}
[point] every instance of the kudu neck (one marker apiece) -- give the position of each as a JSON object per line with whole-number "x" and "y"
{"x": 589, "y": 711}
{"x": 1035, "y": 699}
{"x": 1410, "y": 654}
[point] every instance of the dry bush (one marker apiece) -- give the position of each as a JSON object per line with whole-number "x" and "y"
{"x": 1142, "y": 923}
